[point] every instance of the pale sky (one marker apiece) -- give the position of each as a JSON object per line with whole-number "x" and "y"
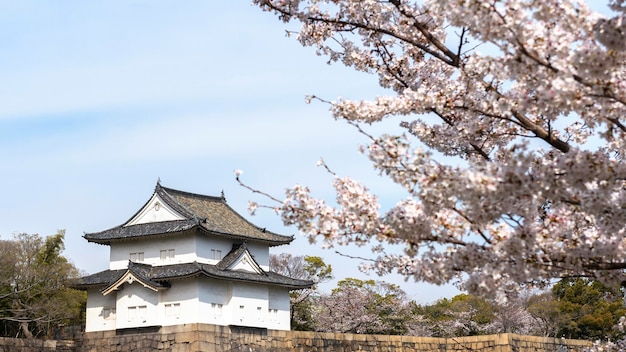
{"x": 101, "y": 98}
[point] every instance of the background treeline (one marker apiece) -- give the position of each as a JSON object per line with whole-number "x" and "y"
{"x": 572, "y": 308}
{"x": 35, "y": 300}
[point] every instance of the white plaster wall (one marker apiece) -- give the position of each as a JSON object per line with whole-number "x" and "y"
{"x": 183, "y": 245}
{"x": 261, "y": 254}
{"x": 214, "y": 292}
{"x": 279, "y": 300}
{"x": 96, "y": 303}
{"x": 133, "y": 295}
{"x": 185, "y": 293}
{"x": 251, "y": 297}
{"x": 204, "y": 245}
{"x": 188, "y": 248}
{"x": 195, "y": 296}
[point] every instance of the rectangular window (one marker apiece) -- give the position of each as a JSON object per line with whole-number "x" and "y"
{"x": 216, "y": 310}
{"x": 166, "y": 254}
{"x": 172, "y": 310}
{"x": 143, "y": 310}
{"x": 273, "y": 314}
{"x": 132, "y": 313}
{"x": 137, "y": 312}
{"x": 216, "y": 254}
{"x": 136, "y": 257}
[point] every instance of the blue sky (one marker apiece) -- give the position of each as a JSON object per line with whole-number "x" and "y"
{"x": 101, "y": 98}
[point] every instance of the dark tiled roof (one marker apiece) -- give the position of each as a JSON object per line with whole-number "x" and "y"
{"x": 138, "y": 272}
{"x": 230, "y": 258}
{"x": 144, "y": 273}
{"x": 165, "y": 273}
{"x": 141, "y": 230}
{"x": 206, "y": 213}
{"x": 99, "y": 279}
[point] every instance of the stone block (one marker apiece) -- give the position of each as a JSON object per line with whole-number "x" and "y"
{"x": 185, "y": 337}
{"x": 206, "y": 346}
{"x": 181, "y": 347}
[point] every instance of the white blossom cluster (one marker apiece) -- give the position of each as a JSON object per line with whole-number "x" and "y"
{"x": 529, "y": 98}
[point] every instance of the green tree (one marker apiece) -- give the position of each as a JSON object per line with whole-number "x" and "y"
{"x": 34, "y": 292}
{"x": 462, "y": 315}
{"x": 592, "y": 309}
{"x": 548, "y": 318}
{"x": 302, "y": 301}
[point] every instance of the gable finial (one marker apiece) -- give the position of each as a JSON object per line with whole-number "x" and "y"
{"x": 158, "y": 181}
{"x": 223, "y": 196}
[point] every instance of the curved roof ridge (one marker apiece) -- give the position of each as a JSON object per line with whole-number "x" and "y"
{"x": 222, "y": 201}
{"x": 209, "y": 214}
{"x": 173, "y": 202}
{"x": 262, "y": 229}
{"x": 136, "y": 270}
{"x": 235, "y": 254}
{"x": 121, "y": 232}
{"x": 213, "y": 198}
{"x": 159, "y": 277}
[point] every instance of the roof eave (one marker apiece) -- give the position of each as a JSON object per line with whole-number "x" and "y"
{"x": 269, "y": 283}
{"x": 85, "y": 287}
{"x": 108, "y": 241}
{"x": 272, "y": 243}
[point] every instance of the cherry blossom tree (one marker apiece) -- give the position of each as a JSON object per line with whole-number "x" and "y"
{"x": 304, "y": 268}
{"x": 364, "y": 307}
{"x": 512, "y": 156}
{"x": 513, "y": 317}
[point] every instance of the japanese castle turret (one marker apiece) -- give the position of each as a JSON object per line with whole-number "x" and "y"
{"x": 187, "y": 258}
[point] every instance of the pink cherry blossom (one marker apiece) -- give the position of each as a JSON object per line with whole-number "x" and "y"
{"x": 527, "y": 102}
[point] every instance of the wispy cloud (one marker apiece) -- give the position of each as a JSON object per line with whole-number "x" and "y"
{"x": 99, "y": 98}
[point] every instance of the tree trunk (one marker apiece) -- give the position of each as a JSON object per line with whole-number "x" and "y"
{"x": 25, "y": 330}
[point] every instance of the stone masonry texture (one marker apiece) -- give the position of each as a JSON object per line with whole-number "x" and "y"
{"x": 212, "y": 338}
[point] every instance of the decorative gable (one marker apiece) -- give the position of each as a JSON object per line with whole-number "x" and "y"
{"x": 246, "y": 263}
{"x": 240, "y": 259}
{"x": 128, "y": 278}
{"x": 156, "y": 210}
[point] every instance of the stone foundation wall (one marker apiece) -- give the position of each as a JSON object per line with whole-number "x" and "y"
{"x": 24, "y": 345}
{"x": 211, "y": 338}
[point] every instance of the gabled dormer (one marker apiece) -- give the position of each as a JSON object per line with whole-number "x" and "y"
{"x": 240, "y": 259}
{"x": 136, "y": 273}
{"x": 156, "y": 210}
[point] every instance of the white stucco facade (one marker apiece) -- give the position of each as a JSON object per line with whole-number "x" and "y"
{"x": 192, "y": 300}
{"x": 176, "y": 262}
{"x": 180, "y": 249}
